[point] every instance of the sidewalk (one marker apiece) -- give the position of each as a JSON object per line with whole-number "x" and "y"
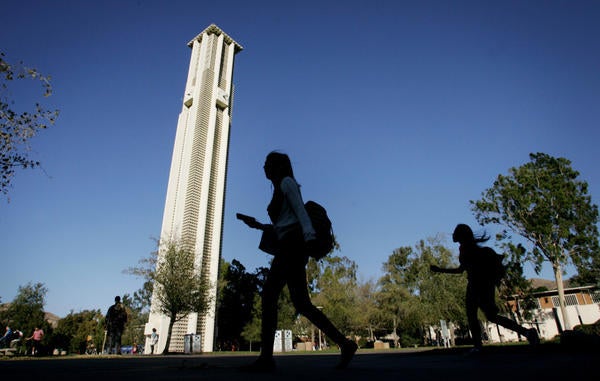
{"x": 497, "y": 363}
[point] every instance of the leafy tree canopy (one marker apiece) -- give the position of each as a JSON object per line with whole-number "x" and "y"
{"x": 545, "y": 202}
{"x": 178, "y": 288}
{"x": 26, "y": 311}
{"x": 18, "y": 127}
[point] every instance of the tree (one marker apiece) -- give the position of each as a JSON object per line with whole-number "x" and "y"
{"x": 76, "y": 330}
{"x": 544, "y": 202}
{"x": 334, "y": 288}
{"x": 27, "y": 308}
{"x": 367, "y": 316}
{"x": 26, "y": 311}
{"x": 286, "y": 312}
{"x": 137, "y": 316}
{"x": 237, "y": 290}
{"x": 252, "y": 330}
{"x": 178, "y": 288}
{"x": 393, "y": 294}
{"x": 17, "y": 128}
{"x": 514, "y": 286}
{"x": 411, "y": 297}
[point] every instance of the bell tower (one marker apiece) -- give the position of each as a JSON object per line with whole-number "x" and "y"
{"x": 195, "y": 200}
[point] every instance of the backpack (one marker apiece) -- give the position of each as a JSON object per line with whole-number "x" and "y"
{"x": 493, "y": 264}
{"x": 322, "y": 225}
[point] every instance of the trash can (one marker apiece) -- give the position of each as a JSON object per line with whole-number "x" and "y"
{"x": 192, "y": 343}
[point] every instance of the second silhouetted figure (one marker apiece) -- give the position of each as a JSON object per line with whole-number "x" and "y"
{"x": 481, "y": 286}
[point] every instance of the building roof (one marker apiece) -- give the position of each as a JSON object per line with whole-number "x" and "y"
{"x": 213, "y": 29}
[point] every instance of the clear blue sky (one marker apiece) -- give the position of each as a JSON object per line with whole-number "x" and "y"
{"x": 395, "y": 114}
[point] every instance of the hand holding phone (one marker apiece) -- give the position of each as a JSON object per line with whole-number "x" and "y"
{"x": 244, "y": 217}
{"x": 249, "y": 220}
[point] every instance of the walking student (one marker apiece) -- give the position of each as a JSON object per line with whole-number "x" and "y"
{"x": 481, "y": 286}
{"x": 295, "y": 236}
{"x": 116, "y": 317}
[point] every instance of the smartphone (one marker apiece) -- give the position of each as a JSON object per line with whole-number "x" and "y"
{"x": 244, "y": 217}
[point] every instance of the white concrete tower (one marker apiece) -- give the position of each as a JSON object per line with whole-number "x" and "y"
{"x": 195, "y": 199}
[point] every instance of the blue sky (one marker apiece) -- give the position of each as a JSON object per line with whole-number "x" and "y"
{"x": 395, "y": 115}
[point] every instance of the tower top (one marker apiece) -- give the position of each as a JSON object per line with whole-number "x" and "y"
{"x": 213, "y": 29}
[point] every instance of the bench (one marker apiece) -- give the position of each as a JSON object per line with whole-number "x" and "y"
{"x": 12, "y": 350}
{"x": 8, "y": 351}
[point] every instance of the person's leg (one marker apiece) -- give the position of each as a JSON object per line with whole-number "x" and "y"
{"x": 270, "y": 296}
{"x": 118, "y": 341}
{"x": 491, "y": 311}
{"x": 471, "y": 307}
{"x": 299, "y": 294}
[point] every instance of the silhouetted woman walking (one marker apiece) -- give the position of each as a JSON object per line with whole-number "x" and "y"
{"x": 481, "y": 286}
{"x": 295, "y": 236}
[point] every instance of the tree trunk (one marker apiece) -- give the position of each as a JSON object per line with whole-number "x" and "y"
{"x": 561, "y": 295}
{"x": 395, "y": 334}
{"x": 171, "y": 323}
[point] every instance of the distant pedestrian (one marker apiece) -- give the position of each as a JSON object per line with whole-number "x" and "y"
{"x": 295, "y": 238}
{"x": 5, "y": 340}
{"x": 36, "y": 340}
{"x": 481, "y": 286}
{"x": 153, "y": 340}
{"x": 116, "y": 317}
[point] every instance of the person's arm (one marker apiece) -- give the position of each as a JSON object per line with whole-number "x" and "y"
{"x": 451, "y": 270}
{"x": 292, "y": 194}
{"x": 251, "y": 222}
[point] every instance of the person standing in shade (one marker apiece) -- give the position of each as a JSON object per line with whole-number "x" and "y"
{"x": 295, "y": 236}
{"x": 153, "y": 340}
{"x": 116, "y": 317}
{"x": 481, "y": 286}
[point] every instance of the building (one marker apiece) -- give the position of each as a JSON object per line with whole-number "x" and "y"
{"x": 583, "y": 307}
{"x": 193, "y": 212}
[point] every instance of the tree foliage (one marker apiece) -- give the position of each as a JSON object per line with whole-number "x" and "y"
{"x": 410, "y": 297}
{"x": 367, "y": 319}
{"x": 137, "y": 315}
{"x": 178, "y": 288}
{"x": 76, "y": 330}
{"x": 334, "y": 289}
{"x": 26, "y": 311}
{"x": 515, "y": 285}
{"x": 286, "y": 312}
{"x": 18, "y": 127}
{"x": 545, "y": 202}
{"x": 236, "y": 298}
{"x": 252, "y": 329}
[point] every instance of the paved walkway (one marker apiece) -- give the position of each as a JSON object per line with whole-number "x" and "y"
{"x": 509, "y": 363}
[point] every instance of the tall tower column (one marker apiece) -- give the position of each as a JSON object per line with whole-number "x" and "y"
{"x": 195, "y": 200}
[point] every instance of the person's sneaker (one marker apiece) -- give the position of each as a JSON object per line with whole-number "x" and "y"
{"x": 533, "y": 337}
{"x": 261, "y": 365}
{"x": 348, "y": 351}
